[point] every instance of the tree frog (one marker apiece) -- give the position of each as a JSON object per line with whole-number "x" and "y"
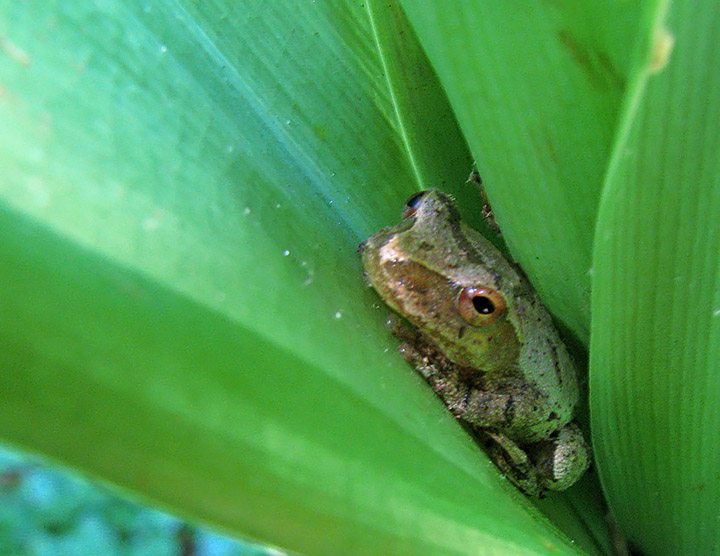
{"x": 480, "y": 337}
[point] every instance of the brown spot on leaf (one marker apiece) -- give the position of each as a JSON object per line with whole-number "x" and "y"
{"x": 596, "y": 64}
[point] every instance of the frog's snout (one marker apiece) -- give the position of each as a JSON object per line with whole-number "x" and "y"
{"x": 361, "y": 247}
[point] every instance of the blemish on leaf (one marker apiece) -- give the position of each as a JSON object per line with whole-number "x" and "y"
{"x": 595, "y": 63}
{"x": 662, "y": 47}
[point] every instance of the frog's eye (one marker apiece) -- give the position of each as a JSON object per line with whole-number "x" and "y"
{"x": 480, "y": 306}
{"x": 412, "y": 204}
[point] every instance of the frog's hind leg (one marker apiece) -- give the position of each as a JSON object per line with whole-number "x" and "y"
{"x": 562, "y": 459}
{"x": 514, "y": 463}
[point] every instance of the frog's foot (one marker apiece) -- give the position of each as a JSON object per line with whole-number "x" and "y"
{"x": 562, "y": 459}
{"x": 515, "y": 464}
{"x": 474, "y": 177}
{"x": 487, "y": 211}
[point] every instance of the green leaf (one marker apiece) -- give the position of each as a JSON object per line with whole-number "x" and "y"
{"x": 537, "y": 89}
{"x": 182, "y": 311}
{"x": 656, "y": 295}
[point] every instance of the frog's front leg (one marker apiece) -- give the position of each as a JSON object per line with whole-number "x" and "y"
{"x": 483, "y": 409}
{"x": 431, "y": 364}
{"x": 443, "y": 381}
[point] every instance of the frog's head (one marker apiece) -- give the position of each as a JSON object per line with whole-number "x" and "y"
{"x": 453, "y": 285}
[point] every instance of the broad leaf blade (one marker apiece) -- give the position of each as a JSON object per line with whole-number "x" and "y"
{"x": 656, "y": 325}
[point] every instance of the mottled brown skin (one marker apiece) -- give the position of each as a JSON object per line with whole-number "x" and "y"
{"x": 499, "y": 366}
